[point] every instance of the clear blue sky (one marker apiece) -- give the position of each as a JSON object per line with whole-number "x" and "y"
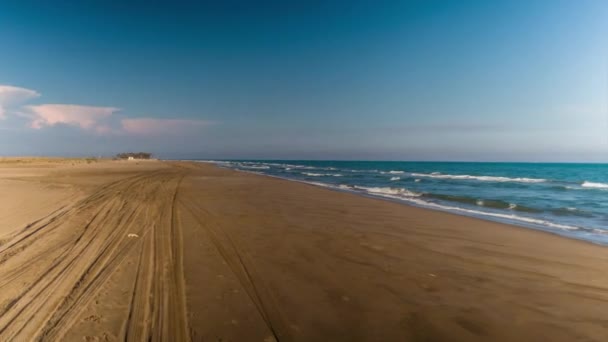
{"x": 409, "y": 80}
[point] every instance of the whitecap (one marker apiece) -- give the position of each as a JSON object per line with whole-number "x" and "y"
{"x": 312, "y": 174}
{"x": 511, "y": 217}
{"x": 594, "y": 185}
{"x": 261, "y": 167}
{"x": 480, "y": 178}
{"x": 401, "y": 192}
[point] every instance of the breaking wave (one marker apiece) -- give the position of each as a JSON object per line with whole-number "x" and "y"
{"x": 480, "y": 178}
{"x": 594, "y": 185}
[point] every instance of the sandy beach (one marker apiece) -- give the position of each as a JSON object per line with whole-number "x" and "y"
{"x": 179, "y": 251}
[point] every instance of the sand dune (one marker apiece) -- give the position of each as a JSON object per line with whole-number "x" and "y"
{"x": 182, "y": 251}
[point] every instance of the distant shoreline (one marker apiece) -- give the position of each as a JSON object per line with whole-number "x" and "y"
{"x": 398, "y": 161}
{"x": 510, "y": 225}
{"x": 553, "y": 228}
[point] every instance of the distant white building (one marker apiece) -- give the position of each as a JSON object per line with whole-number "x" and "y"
{"x": 131, "y": 158}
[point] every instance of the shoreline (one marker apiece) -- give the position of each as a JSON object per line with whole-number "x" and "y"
{"x": 124, "y": 250}
{"x": 461, "y": 265}
{"x": 482, "y": 217}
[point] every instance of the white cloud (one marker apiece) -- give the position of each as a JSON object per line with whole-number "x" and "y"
{"x": 13, "y": 96}
{"x": 88, "y": 118}
{"x": 92, "y": 119}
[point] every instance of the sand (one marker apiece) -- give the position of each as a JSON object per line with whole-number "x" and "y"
{"x": 175, "y": 251}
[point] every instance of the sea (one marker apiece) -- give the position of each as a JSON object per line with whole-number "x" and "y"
{"x": 566, "y": 199}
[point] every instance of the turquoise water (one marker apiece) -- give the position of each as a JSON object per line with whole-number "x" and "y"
{"x": 566, "y": 199}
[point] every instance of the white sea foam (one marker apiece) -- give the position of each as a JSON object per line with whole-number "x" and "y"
{"x": 412, "y": 197}
{"x": 257, "y": 167}
{"x": 391, "y": 172}
{"x": 594, "y": 185}
{"x": 528, "y": 220}
{"x": 269, "y": 164}
{"x": 480, "y": 178}
{"x": 512, "y": 206}
{"x": 400, "y": 192}
{"x": 395, "y": 178}
{"x": 324, "y": 185}
{"x": 312, "y": 174}
{"x": 367, "y": 171}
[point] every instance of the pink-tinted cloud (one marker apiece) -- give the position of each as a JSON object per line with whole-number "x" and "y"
{"x": 85, "y": 117}
{"x": 149, "y": 126}
{"x": 99, "y": 120}
{"x": 96, "y": 120}
{"x": 11, "y": 96}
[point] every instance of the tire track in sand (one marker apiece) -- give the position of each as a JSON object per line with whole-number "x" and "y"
{"x": 65, "y": 259}
{"x": 241, "y": 265}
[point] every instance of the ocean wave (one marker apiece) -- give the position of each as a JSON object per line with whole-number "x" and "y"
{"x": 324, "y": 185}
{"x": 256, "y": 167}
{"x": 312, "y": 174}
{"x": 571, "y": 211}
{"x": 487, "y": 203}
{"x": 392, "y": 172}
{"x": 289, "y": 166}
{"x": 480, "y": 178}
{"x": 512, "y": 217}
{"x": 416, "y": 199}
{"x": 294, "y": 166}
{"x": 395, "y": 178}
{"x": 268, "y": 164}
{"x": 400, "y": 192}
{"x": 587, "y": 184}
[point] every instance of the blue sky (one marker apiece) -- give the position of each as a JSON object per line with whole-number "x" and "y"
{"x": 404, "y": 80}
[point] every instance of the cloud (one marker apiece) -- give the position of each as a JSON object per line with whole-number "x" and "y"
{"x": 88, "y": 118}
{"x": 149, "y": 126}
{"x": 100, "y": 120}
{"x": 91, "y": 119}
{"x": 12, "y": 96}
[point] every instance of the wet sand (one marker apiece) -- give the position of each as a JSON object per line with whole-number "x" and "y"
{"x": 171, "y": 251}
